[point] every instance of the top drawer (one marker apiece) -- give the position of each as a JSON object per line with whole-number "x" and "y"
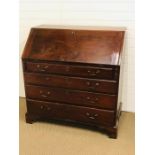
{"x": 81, "y": 71}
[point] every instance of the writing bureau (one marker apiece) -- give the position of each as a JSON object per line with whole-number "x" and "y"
{"x": 72, "y": 74}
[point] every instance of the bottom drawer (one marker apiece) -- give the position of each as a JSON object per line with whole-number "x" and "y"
{"x": 70, "y": 112}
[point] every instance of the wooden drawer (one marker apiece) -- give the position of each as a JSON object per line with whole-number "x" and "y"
{"x": 71, "y": 96}
{"x": 70, "y": 112}
{"x": 72, "y": 70}
{"x": 104, "y": 86}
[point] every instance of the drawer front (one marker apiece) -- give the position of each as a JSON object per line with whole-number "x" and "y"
{"x": 104, "y": 86}
{"x": 70, "y": 112}
{"x": 71, "y": 96}
{"x": 81, "y": 71}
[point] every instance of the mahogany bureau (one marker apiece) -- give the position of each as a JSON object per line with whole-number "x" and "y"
{"x": 72, "y": 75}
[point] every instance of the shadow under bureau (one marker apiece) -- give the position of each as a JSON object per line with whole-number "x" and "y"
{"x": 72, "y": 74}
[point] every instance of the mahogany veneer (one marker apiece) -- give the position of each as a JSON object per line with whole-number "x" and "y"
{"x": 73, "y": 75}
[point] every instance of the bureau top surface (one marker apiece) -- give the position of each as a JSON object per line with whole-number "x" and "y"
{"x": 84, "y": 45}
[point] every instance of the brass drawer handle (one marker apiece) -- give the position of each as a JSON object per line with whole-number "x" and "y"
{"x": 88, "y": 98}
{"x": 96, "y": 99}
{"x": 88, "y": 114}
{"x": 42, "y": 92}
{"x": 88, "y": 83}
{"x": 94, "y": 73}
{"x": 38, "y": 66}
{"x": 91, "y": 116}
{"x": 92, "y": 101}
{"x": 45, "y": 96}
{"x": 41, "y": 107}
{"x": 48, "y": 92}
{"x": 98, "y": 71}
{"x": 46, "y": 67}
{"x": 97, "y": 84}
{"x": 89, "y": 71}
{"x": 42, "y": 69}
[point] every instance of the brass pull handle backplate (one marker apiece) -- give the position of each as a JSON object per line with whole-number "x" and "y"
{"x": 91, "y": 116}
